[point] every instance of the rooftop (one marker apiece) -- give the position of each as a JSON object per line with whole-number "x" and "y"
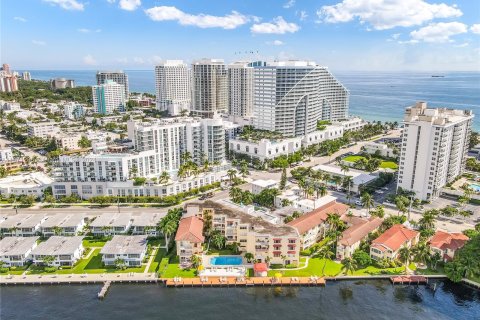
{"x": 190, "y": 229}
{"x": 394, "y": 238}
{"x": 359, "y": 230}
{"x": 318, "y": 216}
{"x": 12, "y": 246}
{"x": 444, "y": 240}
{"x": 148, "y": 219}
{"x": 125, "y": 245}
{"x": 265, "y": 183}
{"x": 56, "y": 245}
{"x": 112, "y": 219}
{"x": 22, "y": 221}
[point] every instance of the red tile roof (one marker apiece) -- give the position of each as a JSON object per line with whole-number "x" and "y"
{"x": 190, "y": 229}
{"x": 394, "y": 238}
{"x": 444, "y": 240}
{"x": 359, "y": 231}
{"x": 317, "y": 216}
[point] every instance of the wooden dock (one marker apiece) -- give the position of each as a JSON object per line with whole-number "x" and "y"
{"x": 104, "y": 290}
{"x": 409, "y": 280}
{"x": 242, "y": 282}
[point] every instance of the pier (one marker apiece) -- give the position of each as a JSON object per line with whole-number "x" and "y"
{"x": 57, "y": 279}
{"x": 409, "y": 280}
{"x": 104, "y": 290}
{"x": 242, "y": 282}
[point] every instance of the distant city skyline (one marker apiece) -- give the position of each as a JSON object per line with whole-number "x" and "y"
{"x": 404, "y": 35}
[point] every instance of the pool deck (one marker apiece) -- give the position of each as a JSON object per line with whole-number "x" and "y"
{"x": 236, "y": 282}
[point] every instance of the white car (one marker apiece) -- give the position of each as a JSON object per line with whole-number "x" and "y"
{"x": 379, "y": 191}
{"x": 385, "y": 188}
{"x": 358, "y": 203}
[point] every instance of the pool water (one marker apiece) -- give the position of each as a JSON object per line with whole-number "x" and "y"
{"x": 226, "y": 261}
{"x": 475, "y": 187}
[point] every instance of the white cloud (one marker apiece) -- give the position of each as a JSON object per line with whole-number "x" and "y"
{"x": 229, "y": 21}
{"x": 275, "y": 43}
{"x": 156, "y": 59}
{"x": 475, "y": 28}
{"x": 67, "y": 4}
{"x": 85, "y": 30}
{"x": 302, "y": 15}
{"x": 289, "y": 4}
{"x": 89, "y": 60}
{"x": 122, "y": 60}
{"x": 21, "y": 19}
{"x": 39, "y": 42}
{"x": 129, "y": 5}
{"x": 463, "y": 45}
{"x": 278, "y": 26}
{"x": 387, "y": 14}
{"x": 138, "y": 60}
{"x": 394, "y": 37}
{"x": 438, "y": 32}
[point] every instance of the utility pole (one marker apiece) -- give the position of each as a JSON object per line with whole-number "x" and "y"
{"x": 410, "y": 207}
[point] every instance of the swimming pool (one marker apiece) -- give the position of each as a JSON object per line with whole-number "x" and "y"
{"x": 475, "y": 187}
{"x": 226, "y": 261}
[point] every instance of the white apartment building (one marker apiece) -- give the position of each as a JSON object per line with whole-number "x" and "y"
{"x": 108, "y": 224}
{"x": 26, "y": 76}
{"x": 209, "y": 87}
{"x": 109, "y": 97}
{"x": 10, "y": 105}
{"x": 259, "y": 185}
{"x": 146, "y": 223}
{"x": 351, "y": 124}
{"x": 240, "y": 89}
{"x": 62, "y": 83}
{"x": 15, "y": 251}
{"x": 22, "y": 225}
{"x": 382, "y": 149}
{"x": 119, "y": 77}
{"x": 434, "y": 148}
{"x": 30, "y": 183}
{"x": 170, "y": 138}
{"x": 6, "y": 154}
{"x": 173, "y": 87}
{"x": 129, "y": 249}
{"x": 63, "y": 224}
{"x": 73, "y": 110}
{"x": 42, "y": 129}
{"x": 66, "y": 251}
{"x": 291, "y": 96}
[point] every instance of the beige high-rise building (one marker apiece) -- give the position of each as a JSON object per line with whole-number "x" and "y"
{"x": 209, "y": 87}
{"x": 240, "y": 89}
{"x": 119, "y": 77}
{"x": 173, "y": 87}
{"x": 434, "y": 148}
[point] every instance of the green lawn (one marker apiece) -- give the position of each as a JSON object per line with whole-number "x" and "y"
{"x": 154, "y": 266}
{"x": 14, "y": 270}
{"x": 89, "y": 243}
{"x": 315, "y": 266}
{"x": 222, "y": 252}
{"x": 389, "y": 165}
{"x": 173, "y": 270}
{"x": 372, "y": 270}
{"x": 384, "y": 165}
{"x": 90, "y": 265}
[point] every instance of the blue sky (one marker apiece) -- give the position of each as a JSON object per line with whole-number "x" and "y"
{"x": 419, "y": 35}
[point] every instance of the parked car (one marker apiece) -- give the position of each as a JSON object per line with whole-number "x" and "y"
{"x": 379, "y": 191}
{"x": 385, "y": 188}
{"x": 358, "y": 203}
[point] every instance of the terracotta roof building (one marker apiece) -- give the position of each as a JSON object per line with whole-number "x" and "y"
{"x": 390, "y": 242}
{"x": 351, "y": 238}
{"x": 446, "y": 244}
{"x": 312, "y": 226}
{"x": 189, "y": 239}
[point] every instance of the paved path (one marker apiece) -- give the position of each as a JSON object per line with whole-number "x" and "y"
{"x": 299, "y": 268}
{"x": 151, "y": 259}
{"x": 78, "y": 278}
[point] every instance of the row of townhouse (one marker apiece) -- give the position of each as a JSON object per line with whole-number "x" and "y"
{"x": 66, "y": 251}
{"x": 72, "y": 224}
{"x": 266, "y": 241}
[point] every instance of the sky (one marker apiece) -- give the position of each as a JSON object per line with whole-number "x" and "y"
{"x": 346, "y": 35}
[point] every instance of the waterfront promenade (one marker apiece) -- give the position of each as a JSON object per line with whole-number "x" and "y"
{"x": 78, "y": 278}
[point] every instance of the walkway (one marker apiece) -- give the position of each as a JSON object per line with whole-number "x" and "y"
{"x": 299, "y": 268}
{"x": 150, "y": 260}
{"x": 78, "y": 278}
{"x": 252, "y": 281}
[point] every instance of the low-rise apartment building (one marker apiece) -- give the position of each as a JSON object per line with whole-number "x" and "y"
{"x": 388, "y": 244}
{"x": 109, "y": 224}
{"x": 312, "y": 226}
{"x": 189, "y": 239}
{"x": 15, "y": 251}
{"x": 358, "y": 230}
{"x": 63, "y": 224}
{"x": 147, "y": 223}
{"x": 259, "y": 185}
{"x": 42, "y": 129}
{"x": 65, "y": 250}
{"x": 68, "y": 141}
{"x": 22, "y": 225}
{"x": 446, "y": 244}
{"x": 129, "y": 250}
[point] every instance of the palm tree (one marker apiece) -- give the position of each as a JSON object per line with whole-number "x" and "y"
{"x": 235, "y": 246}
{"x": 164, "y": 177}
{"x": 283, "y": 257}
{"x": 405, "y": 255}
{"x": 286, "y": 202}
{"x": 48, "y": 260}
{"x": 167, "y": 226}
{"x": 322, "y": 190}
{"x": 344, "y": 168}
{"x": 218, "y": 240}
{"x": 235, "y": 194}
{"x": 325, "y": 253}
{"x": 367, "y": 201}
{"x": 186, "y": 157}
{"x": 249, "y": 256}
{"x": 349, "y": 265}
{"x": 119, "y": 263}
{"x": 57, "y": 230}
{"x": 244, "y": 170}
{"x": 421, "y": 252}
{"x": 231, "y": 174}
{"x": 267, "y": 260}
{"x": 337, "y": 180}
{"x": 196, "y": 261}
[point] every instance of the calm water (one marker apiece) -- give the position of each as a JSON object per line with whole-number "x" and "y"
{"x": 343, "y": 300}
{"x": 373, "y": 95}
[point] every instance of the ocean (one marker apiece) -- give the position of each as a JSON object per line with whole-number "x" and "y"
{"x": 372, "y": 299}
{"x": 373, "y": 95}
